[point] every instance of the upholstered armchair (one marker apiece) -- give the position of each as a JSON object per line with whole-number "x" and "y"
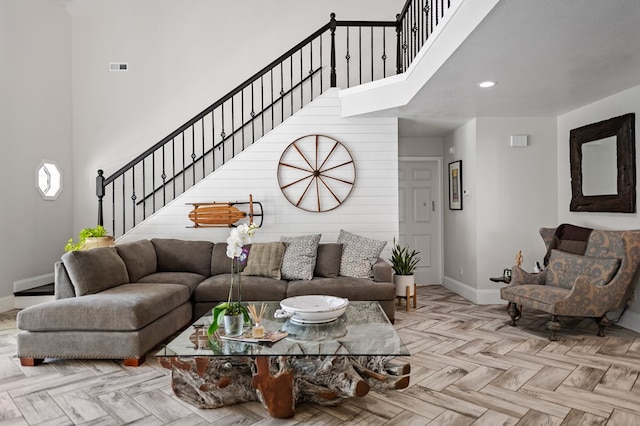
{"x": 587, "y": 284}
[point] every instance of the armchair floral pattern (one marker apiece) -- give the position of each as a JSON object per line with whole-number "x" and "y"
{"x": 588, "y": 285}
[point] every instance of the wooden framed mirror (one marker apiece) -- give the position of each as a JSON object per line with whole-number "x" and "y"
{"x": 603, "y": 166}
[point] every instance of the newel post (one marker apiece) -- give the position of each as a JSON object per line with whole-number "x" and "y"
{"x": 332, "y": 28}
{"x": 100, "y": 195}
{"x": 398, "y": 44}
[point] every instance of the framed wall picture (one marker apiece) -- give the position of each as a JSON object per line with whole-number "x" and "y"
{"x": 455, "y": 185}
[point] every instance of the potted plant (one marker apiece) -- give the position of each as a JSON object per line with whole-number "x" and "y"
{"x": 404, "y": 262}
{"x": 232, "y": 313}
{"x": 89, "y": 238}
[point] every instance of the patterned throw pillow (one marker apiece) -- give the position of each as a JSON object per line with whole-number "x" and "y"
{"x": 358, "y": 254}
{"x": 265, "y": 260}
{"x": 300, "y": 257}
{"x": 564, "y": 268}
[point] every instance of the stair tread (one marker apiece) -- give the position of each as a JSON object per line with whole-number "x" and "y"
{"x": 43, "y": 290}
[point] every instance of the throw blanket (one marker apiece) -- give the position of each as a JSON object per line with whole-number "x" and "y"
{"x": 569, "y": 238}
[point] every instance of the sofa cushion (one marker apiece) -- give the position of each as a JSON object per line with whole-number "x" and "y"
{"x": 265, "y": 259}
{"x": 564, "y": 268}
{"x": 358, "y": 254}
{"x": 139, "y": 257}
{"x": 351, "y": 288}
{"x": 95, "y": 270}
{"x": 535, "y": 296}
{"x": 253, "y": 288}
{"x": 220, "y": 262}
{"x": 188, "y": 279}
{"x": 123, "y": 308}
{"x": 183, "y": 256}
{"x": 328, "y": 260}
{"x": 299, "y": 258}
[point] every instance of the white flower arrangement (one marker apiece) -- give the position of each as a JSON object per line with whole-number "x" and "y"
{"x": 238, "y": 238}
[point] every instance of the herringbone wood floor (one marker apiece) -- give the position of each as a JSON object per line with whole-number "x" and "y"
{"x": 468, "y": 367}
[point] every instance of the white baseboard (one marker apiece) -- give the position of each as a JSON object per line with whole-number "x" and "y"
{"x": 631, "y": 321}
{"x": 7, "y": 304}
{"x": 479, "y": 297}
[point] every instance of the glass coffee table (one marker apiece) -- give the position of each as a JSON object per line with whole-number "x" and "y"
{"x": 323, "y": 363}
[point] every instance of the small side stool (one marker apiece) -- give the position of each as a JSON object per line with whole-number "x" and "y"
{"x": 408, "y": 297}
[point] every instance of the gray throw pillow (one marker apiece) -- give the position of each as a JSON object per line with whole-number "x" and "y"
{"x": 300, "y": 257}
{"x": 328, "y": 260}
{"x": 358, "y": 254}
{"x": 265, "y": 260}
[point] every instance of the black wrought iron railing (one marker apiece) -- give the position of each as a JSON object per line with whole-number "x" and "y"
{"x": 339, "y": 54}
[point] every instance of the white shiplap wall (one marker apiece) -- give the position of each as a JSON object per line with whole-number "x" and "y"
{"x": 371, "y": 210}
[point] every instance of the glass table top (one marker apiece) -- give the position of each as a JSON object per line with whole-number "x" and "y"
{"x": 363, "y": 330}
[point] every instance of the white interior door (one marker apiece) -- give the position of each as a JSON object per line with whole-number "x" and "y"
{"x": 420, "y": 198}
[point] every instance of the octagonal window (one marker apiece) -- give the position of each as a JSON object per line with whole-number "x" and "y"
{"x": 49, "y": 180}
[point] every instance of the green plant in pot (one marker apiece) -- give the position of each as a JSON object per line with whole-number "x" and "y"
{"x": 90, "y": 238}
{"x": 404, "y": 262}
{"x": 232, "y": 313}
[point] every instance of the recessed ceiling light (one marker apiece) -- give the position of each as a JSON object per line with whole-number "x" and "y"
{"x": 486, "y": 84}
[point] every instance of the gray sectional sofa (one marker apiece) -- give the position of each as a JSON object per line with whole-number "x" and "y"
{"x": 120, "y": 302}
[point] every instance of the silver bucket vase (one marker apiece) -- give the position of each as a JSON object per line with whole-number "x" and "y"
{"x": 233, "y": 324}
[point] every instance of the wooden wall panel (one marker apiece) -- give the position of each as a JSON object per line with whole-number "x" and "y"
{"x": 371, "y": 210}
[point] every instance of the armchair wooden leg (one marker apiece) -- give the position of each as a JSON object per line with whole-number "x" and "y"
{"x": 513, "y": 312}
{"x": 553, "y": 325}
{"x": 602, "y": 322}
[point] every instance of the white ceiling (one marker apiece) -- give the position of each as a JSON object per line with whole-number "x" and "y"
{"x": 548, "y": 57}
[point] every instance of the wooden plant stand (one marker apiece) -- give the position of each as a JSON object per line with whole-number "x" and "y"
{"x": 408, "y": 298}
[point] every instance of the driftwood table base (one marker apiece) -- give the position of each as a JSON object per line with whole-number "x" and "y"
{"x": 279, "y": 382}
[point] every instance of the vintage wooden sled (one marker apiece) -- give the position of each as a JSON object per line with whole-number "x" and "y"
{"x": 224, "y": 214}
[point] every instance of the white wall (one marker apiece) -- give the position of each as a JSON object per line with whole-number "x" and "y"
{"x": 613, "y": 106}
{"x": 35, "y": 118}
{"x": 371, "y": 209}
{"x": 515, "y": 190}
{"x": 183, "y": 56}
{"x": 460, "y": 253}
{"x": 420, "y": 146}
{"x": 511, "y": 194}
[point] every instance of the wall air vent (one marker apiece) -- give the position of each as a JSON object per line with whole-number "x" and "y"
{"x": 118, "y": 66}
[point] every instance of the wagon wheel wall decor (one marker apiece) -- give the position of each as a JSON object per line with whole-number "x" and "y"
{"x": 316, "y": 173}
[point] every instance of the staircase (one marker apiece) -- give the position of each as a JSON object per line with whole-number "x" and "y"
{"x": 339, "y": 54}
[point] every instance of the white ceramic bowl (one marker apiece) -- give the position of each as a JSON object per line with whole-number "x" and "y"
{"x": 313, "y": 309}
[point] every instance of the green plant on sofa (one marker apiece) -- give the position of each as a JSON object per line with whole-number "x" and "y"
{"x": 96, "y": 232}
{"x": 403, "y": 260}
